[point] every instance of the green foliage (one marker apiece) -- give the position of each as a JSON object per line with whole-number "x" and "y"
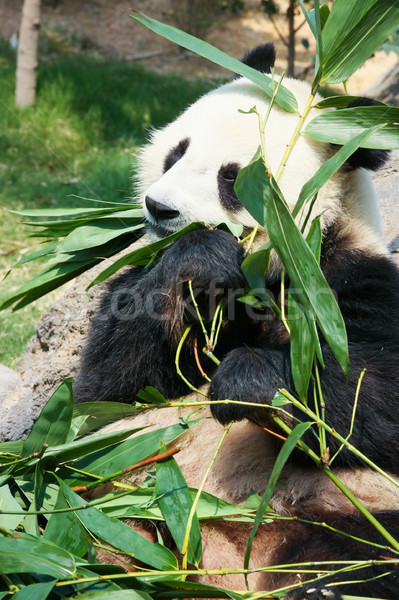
{"x": 342, "y": 126}
{"x": 37, "y": 476}
{"x": 175, "y": 503}
{"x": 284, "y": 454}
{"x": 353, "y": 31}
{"x": 56, "y": 449}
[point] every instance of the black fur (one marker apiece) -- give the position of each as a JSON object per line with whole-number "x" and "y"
{"x": 312, "y": 543}
{"x": 261, "y": 58}
{"x": 176, "y": 154}
{"x": 135, "y": 333}
{"x": 226, "y": 179}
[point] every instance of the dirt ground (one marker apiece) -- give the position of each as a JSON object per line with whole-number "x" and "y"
{"x": 107, "y": 26}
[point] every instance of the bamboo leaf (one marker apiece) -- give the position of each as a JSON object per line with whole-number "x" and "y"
{"x": 59, "y": 226}
{"x": 12, "y": 447}
{"x": 303, "y": 335}
{"x": 129, "y": 452}
{"x": 142, "y": 256}
{"x": 331, "y": 166}
{"x": 31, "y": 521}
{"x": 151, "y": 395}
{"x": 319, "y": 47}
{"x": 324, "y": 14}
{"x": 8, "y": 503}
{"x": 311, "y": 288}
{"x": 251, "y": 301}
{"x": 353, "y": 31}
{"x": 131, "y": 505}
{"x": 254, "y": 268}
{"x": 114, "y": 595}
{"x": 97, "y": 234}
{"x": 341, "y": 126}
{"x": 341, "y": 101}
{"x": 199, "y": 590}
{"x": 35, "y": 591}
{"x": 59, "y": 213}
{"x": 93, "y": 415}
{"x": 281, "y": 459}
{"x": 175, "y": 502}
{"x": 314, "y": 238}
{"x": 54, "y": 421}
{"x": 309, "y": 19}
{"x": 89, "y": 445}
{"x": 65, "y": 530}
{"x": 49, "y": 249}
{"x": 252, "y": 188}
{"x": 284, "y": 97}
{"x": 279, "y": 400}
{"x": 235, "y": 229}
{"x": 48, "y": 280}
{"x": 119, "y": 535}
{"x": 301, "y": 347}
{"x": 91, "y": 570}
{"x": 22, "y": 555}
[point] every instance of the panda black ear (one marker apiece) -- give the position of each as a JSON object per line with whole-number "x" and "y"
{"x": 261, "y": 58}
{"x": 368, "y": 158}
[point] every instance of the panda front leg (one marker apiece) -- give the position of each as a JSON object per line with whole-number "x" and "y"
{"x": 254, "y": 375}
{"x": 133, "y": 339}
{"x": 368, "y": 294}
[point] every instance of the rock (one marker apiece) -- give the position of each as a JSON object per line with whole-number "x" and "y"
{"x": 9, "y": 380}
{"x": 386, "y": 87}
{"x": 386, "y": 183}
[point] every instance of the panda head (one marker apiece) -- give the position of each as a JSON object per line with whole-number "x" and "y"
{"x": 187, "y": 171}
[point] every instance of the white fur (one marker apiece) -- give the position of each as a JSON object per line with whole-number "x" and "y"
{"x": 248, "y": 455}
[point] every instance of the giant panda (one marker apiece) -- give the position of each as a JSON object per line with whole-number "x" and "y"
{"x": 186, "y": 173}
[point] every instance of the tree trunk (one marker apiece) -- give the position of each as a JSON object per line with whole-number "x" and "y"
{"x": 291, "y": 38}
{"x": 27, "y": 54}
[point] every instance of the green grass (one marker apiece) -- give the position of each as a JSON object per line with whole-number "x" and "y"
{"x": 91, "y": 114}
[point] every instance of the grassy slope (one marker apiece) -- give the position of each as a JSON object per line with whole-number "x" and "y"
{"x": 91, "y": 114}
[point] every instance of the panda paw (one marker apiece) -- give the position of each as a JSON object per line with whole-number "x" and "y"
{"x": 314, "y": 592}
{"x": 250, "y": 375}
{"x": 209, "y": 258}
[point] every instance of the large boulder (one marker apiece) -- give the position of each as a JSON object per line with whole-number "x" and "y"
{"x": 386, "y": 183}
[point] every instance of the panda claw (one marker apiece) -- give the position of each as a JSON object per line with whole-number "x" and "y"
{"x": 314, "y": 593}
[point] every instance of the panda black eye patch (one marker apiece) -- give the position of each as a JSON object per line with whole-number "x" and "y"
{"x": 227, "y": 176}
{"x": 176, "y": 154}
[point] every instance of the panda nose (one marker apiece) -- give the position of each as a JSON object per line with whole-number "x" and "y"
{"x": 160, "y": 211}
